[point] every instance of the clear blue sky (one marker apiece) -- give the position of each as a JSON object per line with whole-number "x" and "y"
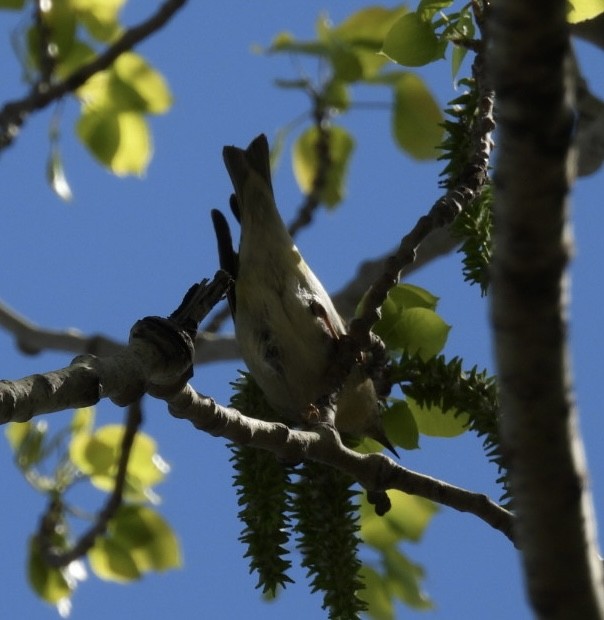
{"x": 127, "y": 248}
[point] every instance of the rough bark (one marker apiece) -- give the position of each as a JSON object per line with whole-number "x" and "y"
{"x": 529, "y": 60}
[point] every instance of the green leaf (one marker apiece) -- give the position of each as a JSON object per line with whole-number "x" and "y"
{"x": 97, "y": 455}
{"x": 336, "y": 95}
{"x": 307, "y": 165}
{"x": 62, "y": 24}
{"x": 377, "y": 595}
{"x": 433, "y": 421}
{"x": 401, "y": 427}
{"x": 79, "y": 54}
{"x": 362, "y": 35}
{"x": 400, "y": 330}
{"x": 426, "y": 9}
{"x": 147, "y": 537}
{"x": 411, "y": 42}
{"x": 417, "y": 118}
{"x": 412, "y": 296}
{"x": 582, "y": 10}
{"x": 405, "y": 578}
{"x": 16, "y": 432}
{"x": 369, "y": 25}
{"x": 27, "y": 441}
{"x": 346, "y": 64}
{"x": 148, "y": 84}
{"x": 93, "y": 456}
{"x": 47, "y": 582}
{"x": 414, "y": 330}
{"x": 120, "y": 141}
{"x": 100, "y": 17}
{"x": 82, "y": 420}
{"x": 112, "y": 562}
{"x": 407, "y": 520}
{"x": 131, "y": 85}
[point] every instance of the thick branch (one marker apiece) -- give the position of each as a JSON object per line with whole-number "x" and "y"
{"x": 14, "y": 113}
{"x": 159, "y": 354}
{"x": 555, "y": 525}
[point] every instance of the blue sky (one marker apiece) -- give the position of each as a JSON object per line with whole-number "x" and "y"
{"x": 126, "y": 248}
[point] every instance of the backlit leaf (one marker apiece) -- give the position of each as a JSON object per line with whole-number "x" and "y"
{"x": 405, "y": 578}
{"x": 401, "y": 427}
{"x": 111, "y": 561}
{"x": 415, "y": 330}
{"x": 147, "y": 537}
{"x": 47, "y": 582}
{"x": 306, "y": 162}
{"x": 120, "y": 141}
{"x": 369, "y": 25}
{"x": 432, "y": 421}
{"x": 581, "y": 10}
{"x": 407, "y": 520}
{"x": 377, "y": 595}
{"x": 417, "y": 118}
{"x": 131, "y": 85}
{"x": 411, "y": 296}
{"x": 27, "y": 441}
{"x": 411, "y": 42}
{"x": 97, "y": 455}
{"x": 148, "y": 83}
{"x": 100, "y": 17}
{"x": 426, "y": 9}
{"x": 82, "y": 420}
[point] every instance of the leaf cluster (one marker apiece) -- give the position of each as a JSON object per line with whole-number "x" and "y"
{"x": 59, "y": 38}
{"x": 134, "y": 540}
{"x": 441, "y": 399}
{"x": 360, "y": 51}
{"x": 392, "y": 575}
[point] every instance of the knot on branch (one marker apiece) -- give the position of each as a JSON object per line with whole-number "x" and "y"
{"x": 167, "y": 350}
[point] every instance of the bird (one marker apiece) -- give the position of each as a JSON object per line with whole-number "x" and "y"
{"x": 286, "y": 325}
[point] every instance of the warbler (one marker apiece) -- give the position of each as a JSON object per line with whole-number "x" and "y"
{"x": 286, "y": 325}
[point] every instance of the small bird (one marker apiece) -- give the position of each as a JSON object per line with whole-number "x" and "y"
{"x": 286, "y": 325}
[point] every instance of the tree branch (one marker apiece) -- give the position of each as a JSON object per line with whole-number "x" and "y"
{"x": 529, "y": 59}
{"x": 442, "y": 213}
{"x": 375, "y": 472}
{"x": 32, "y": 339}
{"x": 14, "y": 113}
{"x": 158, "y": 361}
{"x": 159, "y": 353}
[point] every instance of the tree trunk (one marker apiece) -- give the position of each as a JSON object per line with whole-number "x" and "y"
{"x": 528, "y": 59}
